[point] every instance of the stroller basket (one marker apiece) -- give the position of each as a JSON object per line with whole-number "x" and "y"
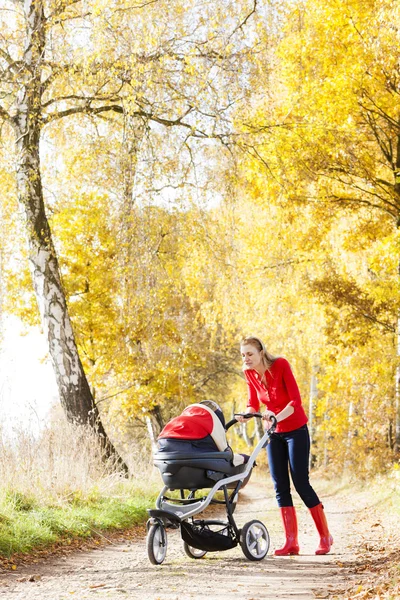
{"x": 200, "y": 536}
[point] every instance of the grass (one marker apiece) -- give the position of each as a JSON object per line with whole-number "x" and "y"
{"x": 382, "y": 491}
{"x": 25, "y": 525}
{"x": 57, "y": 489}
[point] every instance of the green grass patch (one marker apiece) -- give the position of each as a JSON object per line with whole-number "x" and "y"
{"x": 26, "y": 525}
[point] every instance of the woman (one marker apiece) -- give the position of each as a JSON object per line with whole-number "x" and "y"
{"x": 271, "y": 382}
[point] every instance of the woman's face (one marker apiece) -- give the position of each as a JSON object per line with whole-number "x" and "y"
{"x": 251, "y": 357}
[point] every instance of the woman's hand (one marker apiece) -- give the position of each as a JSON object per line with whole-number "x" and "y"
{"x": 240, "y": 419}
{"x": 267, "y": 415}
{"x": 244, "y": 419}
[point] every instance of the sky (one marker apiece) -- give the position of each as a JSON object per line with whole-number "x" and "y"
{"x": 27, "y": 383}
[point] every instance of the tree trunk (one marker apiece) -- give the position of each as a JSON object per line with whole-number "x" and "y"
{"x": 152, "y": 434}
{"x": 312, "y": 398}
{"x": 397, "y": 392}
{"x": 397, "y": 382}
{"x": 74, "y": 391}
{"x": 350, "y": 434}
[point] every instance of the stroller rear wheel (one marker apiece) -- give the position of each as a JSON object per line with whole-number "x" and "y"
{"x": 156, "y": 543}
{"x": 193, "y": 552}
{"x": 254, "y": 540}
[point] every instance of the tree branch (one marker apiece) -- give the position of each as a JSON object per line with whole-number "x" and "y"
{"x": 5, "y": 115}
{"x": 93, "y": 110}
{"x": 348, "y": 200}
{"x": 62, "y": 7}
{"x": 243, "y": 23}
{"x": 13, "y": 65}
{"x": 379, "y": 111}
{"x": 85, "y": 99}
{"x": 387, "y": 152}
{"x": 136, "y": 6}
{"x": 76, "y": 110}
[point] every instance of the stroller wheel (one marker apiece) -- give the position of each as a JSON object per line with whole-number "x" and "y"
{"x": 254, "y": 540}
{"x": 156, "y": 543}
{"x": 193, "y": 552}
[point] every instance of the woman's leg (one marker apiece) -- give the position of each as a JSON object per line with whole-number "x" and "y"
{"x": 298, "y": 443}
{"x": 278, "y": 463}
{"x": 278, "y": 460}
{"x": 299, "y": 450}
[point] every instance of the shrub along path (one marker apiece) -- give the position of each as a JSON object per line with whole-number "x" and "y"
{"x": 363, "y": 562}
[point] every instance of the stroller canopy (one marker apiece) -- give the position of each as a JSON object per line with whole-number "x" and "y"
{"x": 196, "y": 422}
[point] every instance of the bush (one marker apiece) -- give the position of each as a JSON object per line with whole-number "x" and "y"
{"x": 75, "y": 493}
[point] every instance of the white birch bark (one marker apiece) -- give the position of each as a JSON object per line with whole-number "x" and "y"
{"x": 75, "y": 395}
{"x": 397, "y": 392}
{"x": 312, "y": 398}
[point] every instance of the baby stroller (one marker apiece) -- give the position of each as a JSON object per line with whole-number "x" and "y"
{"x": 191, "y": 472}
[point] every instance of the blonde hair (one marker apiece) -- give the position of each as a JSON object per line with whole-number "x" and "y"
{"x": 266, "y": 357}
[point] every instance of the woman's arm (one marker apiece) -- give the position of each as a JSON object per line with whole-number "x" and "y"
{"x": 291, "y": 387}
{"x": 284, "y": 414}
{"x": 253, "y": 403}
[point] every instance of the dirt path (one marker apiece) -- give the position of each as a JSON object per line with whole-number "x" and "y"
{"x": 123, "y": 570}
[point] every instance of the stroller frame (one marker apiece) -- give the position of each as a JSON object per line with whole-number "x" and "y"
{"x": 206, "y": 535}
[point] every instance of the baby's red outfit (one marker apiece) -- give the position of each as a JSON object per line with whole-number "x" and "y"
{"x": 194, "y": 423}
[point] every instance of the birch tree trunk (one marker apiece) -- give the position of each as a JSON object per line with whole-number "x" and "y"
{"x": 75, "y": 395}
{"x": 397, "y": 391}
{"x": 397, "y": 382}
{"x": 312, "y": 398}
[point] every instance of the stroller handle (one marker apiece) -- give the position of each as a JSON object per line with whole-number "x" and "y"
{"x": 250, "y": 416}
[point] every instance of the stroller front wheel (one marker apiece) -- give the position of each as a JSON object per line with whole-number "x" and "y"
{"x": 193, "y": 552}
{"x": 254, "y": 540}
{"x": 156, "y": 543}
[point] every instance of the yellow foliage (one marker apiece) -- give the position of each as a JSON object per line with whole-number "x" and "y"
{"x": 171, "y": 251}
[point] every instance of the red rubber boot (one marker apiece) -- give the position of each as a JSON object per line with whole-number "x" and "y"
{"x": 289, "y": 519}
{"x": 326, "y": 540}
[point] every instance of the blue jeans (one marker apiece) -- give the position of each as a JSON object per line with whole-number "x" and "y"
{"x": 286, "y": 451}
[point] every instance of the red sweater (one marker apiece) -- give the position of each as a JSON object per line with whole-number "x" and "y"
{"x": 281, "y": 389}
